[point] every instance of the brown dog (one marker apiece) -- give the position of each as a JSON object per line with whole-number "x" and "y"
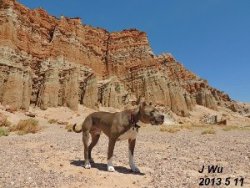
{"x": 116, "y": 126}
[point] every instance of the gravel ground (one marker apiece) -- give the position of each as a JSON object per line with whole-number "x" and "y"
{"x": 54, "y": 158}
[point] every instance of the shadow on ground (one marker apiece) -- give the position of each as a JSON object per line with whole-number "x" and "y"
{"x": 103, "y": 167}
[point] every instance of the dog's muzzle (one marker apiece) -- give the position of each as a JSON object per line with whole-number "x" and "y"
{"x": 157, "y": 120}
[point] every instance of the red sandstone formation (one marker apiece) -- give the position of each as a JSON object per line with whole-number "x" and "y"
{"x": 48, "y": 62}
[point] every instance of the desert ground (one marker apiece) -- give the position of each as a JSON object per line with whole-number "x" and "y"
{"x": 167, "y": 155}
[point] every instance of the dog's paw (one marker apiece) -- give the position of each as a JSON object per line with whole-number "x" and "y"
{"x": 135, "y": 169}
{"x": 87, "y": 166}
{"x": 111, "y": 169}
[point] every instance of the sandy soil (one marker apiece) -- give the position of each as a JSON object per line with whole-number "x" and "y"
{"x": 54, "y": 157}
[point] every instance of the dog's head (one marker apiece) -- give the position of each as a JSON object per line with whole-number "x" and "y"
{"x": 149, "y": 114}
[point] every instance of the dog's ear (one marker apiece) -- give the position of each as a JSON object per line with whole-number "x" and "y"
{"x": 138, "y": 100}
{"x": 141, "y": 101}
{"x": 142, "y": 105}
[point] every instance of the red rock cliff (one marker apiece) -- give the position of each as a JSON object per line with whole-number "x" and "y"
{"x": 46, "y": 61}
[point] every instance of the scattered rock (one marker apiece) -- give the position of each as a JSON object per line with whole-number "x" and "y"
{"x": 62, "y": 122}
{"x": 209, "y": 119}
{"x": 30, "y": 114}
{"x": 222, "y": 122}
{"x": 2, "y": 107}
{"x": 10, "y": 108}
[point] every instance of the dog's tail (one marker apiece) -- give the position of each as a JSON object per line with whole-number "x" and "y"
{"x": 76, "y": 131}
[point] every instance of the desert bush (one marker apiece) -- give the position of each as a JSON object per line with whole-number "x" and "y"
{"x": 4, "y": 127}
{"x": 52, "y": 121}
{"x": 5, "y": 123}
{"x": 4, "y": 131}
{"x": 26, "y": 126}
{"x": 208, "y": 131}
{"x": 169, "y": 129}
{"x": 230, "y": 128}
{"x": 69, "y": 127}
{"x": 186, "y": 126}
{"x": 201, "y": 125}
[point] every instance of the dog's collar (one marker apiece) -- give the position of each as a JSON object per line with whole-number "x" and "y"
{"x": 133, "y": 122}
{"x": 132, "y": 119}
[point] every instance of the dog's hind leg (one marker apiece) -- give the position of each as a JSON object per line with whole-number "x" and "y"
{"x": 95, "y": 138}
{"x": 131, "y": 147}
{"x": 85, "y": 140}
{"x": 111, "y": 146}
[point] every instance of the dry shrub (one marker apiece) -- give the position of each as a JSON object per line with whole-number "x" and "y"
{"x": 186, "y": 126}
{"x": 5, "y": 123}
{"x": 208, "y": 131}
{"x": 177, "y": 127}
{"x": 230, "y": 128}
{"x": 26, "y": 126}
{"x": 52, "y": 121}
{"x": 192, "y": 126}
{"x": 233, "y": 127}
{"x": 69, "y": 127}
{"x": 4, "y": 126}
{"x": 4, "y": 131}
{"x": 201, "y": 125}
{"x": 246, "y": 128}
{"x": 169, "y": 129}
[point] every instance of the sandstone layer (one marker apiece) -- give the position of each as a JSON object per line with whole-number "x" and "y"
{"x": 48, "y": 62}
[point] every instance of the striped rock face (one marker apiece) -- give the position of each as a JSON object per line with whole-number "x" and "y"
{"x": 51, "y": 62}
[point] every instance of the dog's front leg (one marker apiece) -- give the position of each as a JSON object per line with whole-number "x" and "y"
{"x": 111, "y": 146}
{"x": 131, "y": 146}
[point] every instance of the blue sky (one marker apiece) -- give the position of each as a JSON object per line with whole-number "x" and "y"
{"x": 210, "y": 37}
